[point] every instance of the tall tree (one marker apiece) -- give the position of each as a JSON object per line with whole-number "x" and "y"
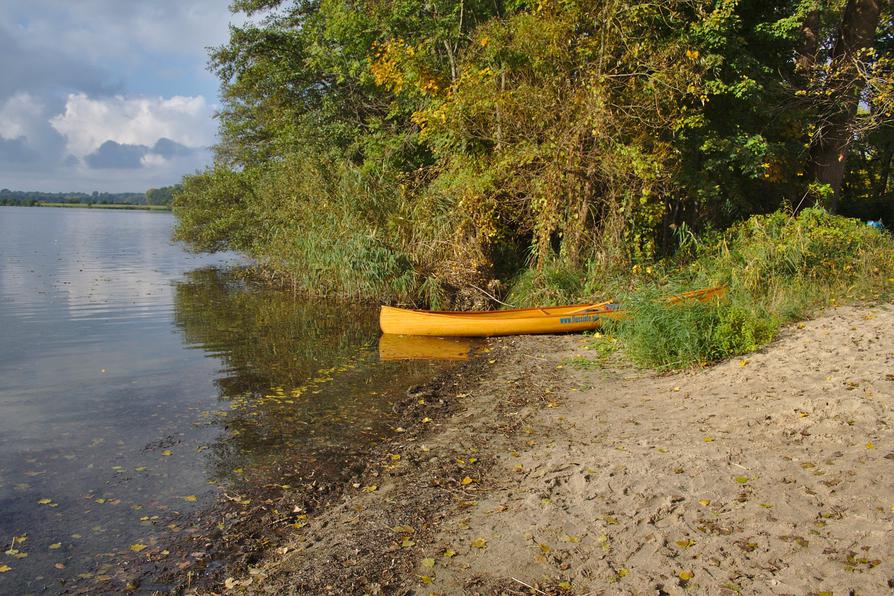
{"x": 843, "y": 87}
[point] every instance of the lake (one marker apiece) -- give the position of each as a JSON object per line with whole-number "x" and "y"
{"x": 140, "y": 382}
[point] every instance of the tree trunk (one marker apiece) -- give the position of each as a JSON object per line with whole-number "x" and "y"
{"x": 807, "y": 54}
{"x": 828, "y": 150}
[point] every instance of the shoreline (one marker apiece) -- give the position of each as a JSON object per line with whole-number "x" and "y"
{"x": 120, "y": 206}
{"x": 543, "y": 466}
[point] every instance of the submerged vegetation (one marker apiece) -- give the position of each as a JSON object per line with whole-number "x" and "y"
{"x": 453, "y": 152}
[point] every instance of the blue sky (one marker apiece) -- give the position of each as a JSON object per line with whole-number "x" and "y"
{"x": 107, "y": 95}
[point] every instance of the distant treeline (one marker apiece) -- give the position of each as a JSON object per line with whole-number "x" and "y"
{"x": 153, "y": 196}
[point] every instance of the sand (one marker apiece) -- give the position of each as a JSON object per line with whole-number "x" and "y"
{"x": 767, "y": 474}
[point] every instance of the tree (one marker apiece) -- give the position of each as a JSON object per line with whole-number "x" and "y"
{"x": 843, "y": 85}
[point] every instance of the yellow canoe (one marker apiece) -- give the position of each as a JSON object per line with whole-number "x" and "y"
{"x": 520, "y": 321}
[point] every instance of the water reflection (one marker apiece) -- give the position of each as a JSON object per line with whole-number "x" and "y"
{"x": 423, "y": 347}
{"x": 305, "y": 392}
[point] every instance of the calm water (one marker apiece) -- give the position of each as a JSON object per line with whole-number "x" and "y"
{"x": 138, "y": 381}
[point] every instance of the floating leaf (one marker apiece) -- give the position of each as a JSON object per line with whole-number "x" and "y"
{"x": 190, "y": 498}
{"x": 137, "y": 547}
{"x": 55, "y": 546}
{"x": 479, "y": 543}
{"x": 686, "y": 575}
{"x": 167, "y": 453}
{"x": 428, "y": 563}
{"x": 5, "y": 568}
{"x": 44, "y": 501}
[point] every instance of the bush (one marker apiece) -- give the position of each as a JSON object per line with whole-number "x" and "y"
{"x": 778, "y": 268}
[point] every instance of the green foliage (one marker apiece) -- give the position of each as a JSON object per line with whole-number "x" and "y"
{"x": 778, "y": 268}
{"x": 427, "y": 151}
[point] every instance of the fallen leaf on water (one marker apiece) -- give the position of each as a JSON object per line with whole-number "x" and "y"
{"x": 686, "y": 575}
{"x": 59, "y": 566}
{"x": 428, "y": 563}
{"x": 742, "y": 479}
{"x": 704, "y": 502}
{"x": 479, "y": 543}
{"x": 190, "y": 498}
{"x": 137, "y": 547}
{"x": 167, "y": 453}
{"x": 44, "y": 501}
{"x": 56, "y": 545}
{"x": 5, "y": 568}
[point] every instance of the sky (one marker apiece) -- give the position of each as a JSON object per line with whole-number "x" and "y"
{"x": 106, "y": 95}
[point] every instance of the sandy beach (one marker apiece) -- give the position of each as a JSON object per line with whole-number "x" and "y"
{"x": 557, "y": 470}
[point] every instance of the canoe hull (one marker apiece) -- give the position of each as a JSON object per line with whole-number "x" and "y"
{"x": 523, "y": 321}
{"x": 401, "y": 321}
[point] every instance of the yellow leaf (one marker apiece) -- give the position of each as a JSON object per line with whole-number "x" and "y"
{"x": 137, "y": 547}
{"x": 407, "y": 543}
{"x": 425, "y": 579}
{"x": 571, "y": 538}
{"x": 167, "y": 453}
{"x": 566, "y": 585}
{"x": 450, "y": 553}
{"x": 623, "y": 572}
{"x": 685, "y": 543}
{"x": 709, "y": 439}
{"x": 44, "y": 501}
{"x": 704, "y": 502}
{"x": 370, "y": 489}
{"x": 428, "y": 563}
{"x": 545, "y": 548}
{"x": 394, "y": 457}
{"x": 5, "y": 568}
{"x": 426, "y": 420}
{"x": 479, "y": 543}
{"x": 686, "y": 575}
{"x": 743, "y": 362}
{"x": 403, "y": 529}
{"x": 190, "y": 498}
{"x": 869, "y": 445}
{"x": 467, "y": 481}
{"x": 742, "y": 479}
{"x": 56, "y": 545}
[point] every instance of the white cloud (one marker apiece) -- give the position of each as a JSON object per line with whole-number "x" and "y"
{"x": 87, "y": 123}
{"x": 18, "y": 115}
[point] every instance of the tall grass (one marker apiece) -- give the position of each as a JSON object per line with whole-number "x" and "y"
{"x": 778, "y": 268}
